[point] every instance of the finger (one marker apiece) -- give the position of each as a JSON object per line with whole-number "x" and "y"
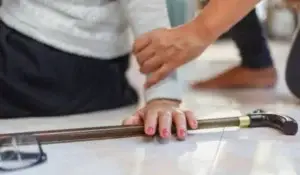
{"x": 150, "y": 122}
{"x": 191, "y": 119}
{"x": 141, "y": 43}
{"x": 180, "y": 124}
{"x": 158, "y": 75}
{"x": 165, "y": 123}
{"x": 145, "y": 54}
{"x": 135, "y": 119}
{"x": 152, "y": 64}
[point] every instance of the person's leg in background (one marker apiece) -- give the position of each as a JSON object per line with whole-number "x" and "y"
{"x": 292, "y": 74}
{"x": 256, "y": 69}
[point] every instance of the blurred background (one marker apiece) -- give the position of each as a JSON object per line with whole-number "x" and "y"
{"x": 279, "y": 22}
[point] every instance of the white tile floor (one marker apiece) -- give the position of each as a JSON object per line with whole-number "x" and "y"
{"x": 225, "y": 151}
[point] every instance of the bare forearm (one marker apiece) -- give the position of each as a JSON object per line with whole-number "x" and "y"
{"x": 218, "y": 16}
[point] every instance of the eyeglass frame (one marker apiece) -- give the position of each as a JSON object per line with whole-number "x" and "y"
{"x": 41, "y": 159}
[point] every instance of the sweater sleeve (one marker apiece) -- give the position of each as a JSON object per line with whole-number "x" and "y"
{"x": 144, "y": 16}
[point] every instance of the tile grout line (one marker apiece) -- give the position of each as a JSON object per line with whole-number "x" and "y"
{"x": 217, "y": 153}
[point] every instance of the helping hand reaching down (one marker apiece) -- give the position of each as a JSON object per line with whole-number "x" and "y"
{"x": 161, "y": 51}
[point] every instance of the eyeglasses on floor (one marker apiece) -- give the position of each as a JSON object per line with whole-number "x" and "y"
{"x": 20, "y": 152}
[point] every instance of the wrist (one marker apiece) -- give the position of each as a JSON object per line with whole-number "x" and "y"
{"x": 165, "y": 100}
{"x": 201, "y": 31}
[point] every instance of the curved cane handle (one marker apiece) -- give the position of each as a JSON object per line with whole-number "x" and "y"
{"x": 285, "y": 124}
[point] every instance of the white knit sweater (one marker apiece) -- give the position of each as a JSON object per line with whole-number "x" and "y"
{"x": 94, "y": 28}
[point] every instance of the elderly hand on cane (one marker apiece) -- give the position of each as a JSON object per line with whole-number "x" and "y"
{"x": 161, "y": 51}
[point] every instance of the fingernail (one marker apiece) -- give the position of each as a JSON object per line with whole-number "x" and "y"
{"x": 165, "y": 133}
{"x": 181, "y": 132}
{"x": 150, "y": 131}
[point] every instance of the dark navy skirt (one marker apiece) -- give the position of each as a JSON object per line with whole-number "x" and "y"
{"x": 38, "y": 80}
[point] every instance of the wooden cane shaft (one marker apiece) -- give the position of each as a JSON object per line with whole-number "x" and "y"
{"x": 112, "y": 132}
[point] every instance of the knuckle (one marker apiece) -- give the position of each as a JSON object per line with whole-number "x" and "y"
{"x": 160, "y": 113}
{"x": 149, "y": 117}
{"x": 171, "y": 51}
{"x": 165, "y": 115}
{"x": 188, "y": 112}
{"x": 178, "y": 113}
{"x": 147, "y": 64}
